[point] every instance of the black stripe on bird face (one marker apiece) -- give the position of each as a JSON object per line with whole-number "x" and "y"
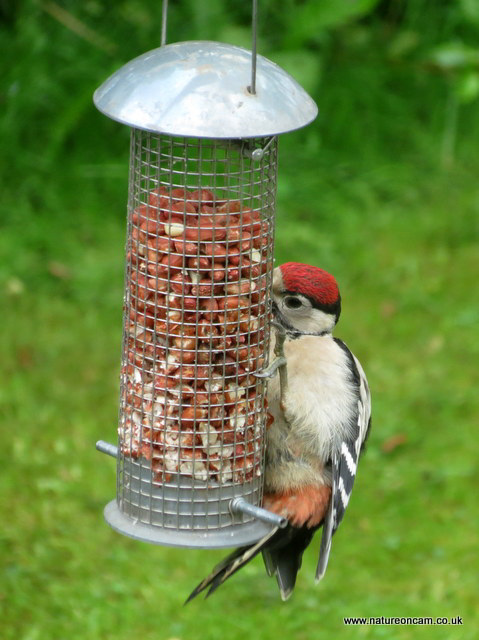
{"x": 302, "y": 318}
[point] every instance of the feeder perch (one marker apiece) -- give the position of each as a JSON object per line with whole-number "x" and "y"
{"x": 205, "y": 119}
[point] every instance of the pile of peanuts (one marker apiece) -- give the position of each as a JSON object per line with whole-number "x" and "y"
{"x": 197, "y": 278}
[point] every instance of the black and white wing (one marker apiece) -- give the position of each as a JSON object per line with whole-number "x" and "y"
{"x": 344, "y": 465}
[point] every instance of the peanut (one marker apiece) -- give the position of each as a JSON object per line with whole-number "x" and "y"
{"x": 142, "y": 213}
{"x": 200, "y": 263}
{"x": 200, "y": 196}
{"x": 180, "y": 284}
{"x": 215, "y": 250}
{"x": 174, "y": 228}
{"x": 195, "y": 305}
{"x": 156, "y": 196}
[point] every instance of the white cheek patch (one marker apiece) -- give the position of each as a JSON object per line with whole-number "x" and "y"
{"x": 314, "y": 321}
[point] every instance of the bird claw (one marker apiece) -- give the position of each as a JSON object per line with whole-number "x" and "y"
{"x": 279, "y": 327}
{"x": 272, "y": 369}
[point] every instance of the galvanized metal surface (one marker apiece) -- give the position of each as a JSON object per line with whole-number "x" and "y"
{"x": 200, "y": 89}
{"x": 236, "y": 535}
{"x": 239, "y": 505}
{"x": 236, "y": 505}
{"x": 108, "y": 448}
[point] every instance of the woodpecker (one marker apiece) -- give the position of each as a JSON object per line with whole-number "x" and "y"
{"x": 322, "y": 415}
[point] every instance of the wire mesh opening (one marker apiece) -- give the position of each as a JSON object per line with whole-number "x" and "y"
{"x": 196, "y": 328}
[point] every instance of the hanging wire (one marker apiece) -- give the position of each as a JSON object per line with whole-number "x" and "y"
{"x": 164, "y": 20}
{"x": 252, "y": 87}
{"x": 254, "y": 25}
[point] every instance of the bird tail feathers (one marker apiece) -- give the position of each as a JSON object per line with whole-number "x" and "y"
{"x": 285, "y": 568}
{"x": 230, "y": 565}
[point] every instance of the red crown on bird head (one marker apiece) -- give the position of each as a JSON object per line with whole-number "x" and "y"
{"x": 315, "y": 283}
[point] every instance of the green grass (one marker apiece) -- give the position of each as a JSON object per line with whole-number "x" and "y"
{"x": 365, "y": 192}
{"x": 407, "y": 267}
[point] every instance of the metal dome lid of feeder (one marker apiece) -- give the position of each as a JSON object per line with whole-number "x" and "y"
{"x": 201, "y": 89}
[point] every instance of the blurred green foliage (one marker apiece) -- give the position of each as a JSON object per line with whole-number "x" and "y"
{"x": 381, "y": 189}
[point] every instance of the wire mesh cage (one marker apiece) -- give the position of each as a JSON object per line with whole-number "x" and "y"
{"x": 199, "y": 264}
{"x": 199, "y": 261}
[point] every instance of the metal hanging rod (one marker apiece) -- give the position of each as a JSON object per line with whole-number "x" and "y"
{"x": 252, "y": 87}
{"x": 254, "y": 28}
{"x": 164, "y": 22}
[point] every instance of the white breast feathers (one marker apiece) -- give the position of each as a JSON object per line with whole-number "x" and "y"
{"x": 321, "y": 398}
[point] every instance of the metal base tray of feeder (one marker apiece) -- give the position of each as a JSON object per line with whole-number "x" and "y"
{"x": 232, "y": 536}
{"x": 173, "y": 515}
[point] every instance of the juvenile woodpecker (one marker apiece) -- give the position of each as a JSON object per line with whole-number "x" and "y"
{"x": 322, "y": 415}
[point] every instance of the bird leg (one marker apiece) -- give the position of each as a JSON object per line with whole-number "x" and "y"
{"x": 279, "y": 363}
{"x": 280, "y": 360}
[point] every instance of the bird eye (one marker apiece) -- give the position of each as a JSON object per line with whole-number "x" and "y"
{"x": 292, "y": 303}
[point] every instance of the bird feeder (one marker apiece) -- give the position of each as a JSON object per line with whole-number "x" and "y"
{"x": 204, "y": 119}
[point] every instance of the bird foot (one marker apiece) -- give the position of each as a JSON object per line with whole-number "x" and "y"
{"x": 270, "y": 371}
